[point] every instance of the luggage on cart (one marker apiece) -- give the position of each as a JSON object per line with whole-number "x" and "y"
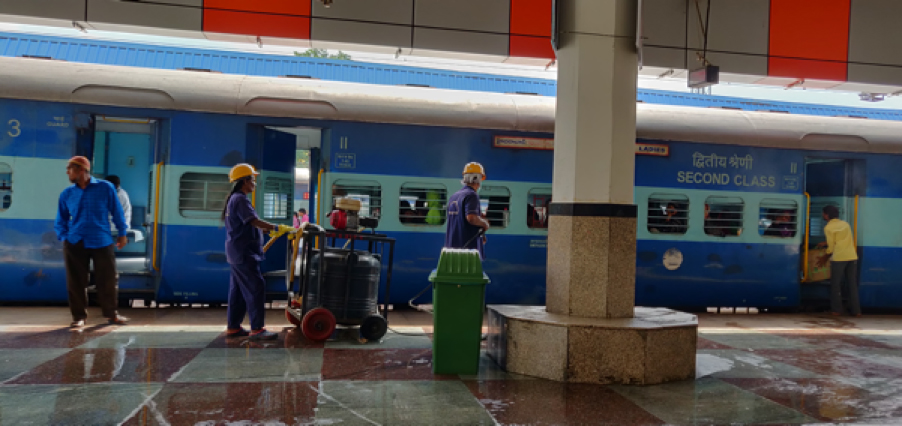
{"x": 339, "y": 282}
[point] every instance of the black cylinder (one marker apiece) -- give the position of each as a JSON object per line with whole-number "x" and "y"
{"x": 350, "y": 300}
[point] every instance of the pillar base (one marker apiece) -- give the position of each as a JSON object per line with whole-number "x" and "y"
{"x": 655, "y": 346}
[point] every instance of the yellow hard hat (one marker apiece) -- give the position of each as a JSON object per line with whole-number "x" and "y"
{"x": 472, "y": 168}
{"x": 242, "y": 170}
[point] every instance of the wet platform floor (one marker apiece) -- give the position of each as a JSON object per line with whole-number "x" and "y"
{"x": 173, "y": 366}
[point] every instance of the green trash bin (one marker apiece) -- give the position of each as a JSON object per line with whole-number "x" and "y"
{"x": 458, "y": 298}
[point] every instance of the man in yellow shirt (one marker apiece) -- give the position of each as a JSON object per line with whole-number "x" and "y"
{"x": 843, "y": 256}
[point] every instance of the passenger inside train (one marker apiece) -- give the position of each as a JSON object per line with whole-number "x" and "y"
{"x": 668, "y": 220}
{"x": 782, "y": 225}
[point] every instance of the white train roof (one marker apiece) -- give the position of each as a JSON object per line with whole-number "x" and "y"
{"x": 58, "y": 81}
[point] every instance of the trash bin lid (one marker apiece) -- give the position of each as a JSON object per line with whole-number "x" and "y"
{"x": 459, "y": 266}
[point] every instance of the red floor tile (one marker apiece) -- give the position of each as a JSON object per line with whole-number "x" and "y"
{"x": 290, "y": 338}
{"x": 379, "y": 364}
{"x": 230, "y": 403}
{"x": 830, "y": 363}
{"x": 541, "y": 402}
{"x": 823, "y": 399}
{"x": 833, "y": 340}
{"x": 109, "y": 365}
{"x": 49, "y": 337}
{"x": 707, "y": 344}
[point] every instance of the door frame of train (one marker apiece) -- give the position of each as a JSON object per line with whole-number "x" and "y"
{"x": 147, "y": 280}
{"x": 844, "y": 192}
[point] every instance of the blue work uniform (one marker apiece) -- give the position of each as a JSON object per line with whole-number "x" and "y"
{"x": 462, "y": 203}
{"x": 244, "y": 251}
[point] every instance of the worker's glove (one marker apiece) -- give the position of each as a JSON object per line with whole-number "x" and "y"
{"x": 285, "y": 229}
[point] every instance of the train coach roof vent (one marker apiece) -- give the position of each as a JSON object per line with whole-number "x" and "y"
{"x": 774, "y": 110}
{"x": 200, "y": 70}
{"x": 416, "y": 85}
{"x": 46, "y": 58}
{"x": 851, "y": 116}
{"x": 304, "y": 77}
{"x": 523, "y": 93}
{"x": 725, "y": 107}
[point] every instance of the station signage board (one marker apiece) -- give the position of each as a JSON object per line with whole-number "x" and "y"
{"x": 517, "y": 142}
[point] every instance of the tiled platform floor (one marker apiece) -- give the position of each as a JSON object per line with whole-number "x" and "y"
{"x": 173, "y": 366}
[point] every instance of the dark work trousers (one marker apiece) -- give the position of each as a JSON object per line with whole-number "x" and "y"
{"x": 844, "y": 273}
{"x": 106, "y": 280}
{"x": 247, "y": 294}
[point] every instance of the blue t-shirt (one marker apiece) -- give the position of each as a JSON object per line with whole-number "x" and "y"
{"x": 243, "y": 240}
{"x": 462, "y": 203}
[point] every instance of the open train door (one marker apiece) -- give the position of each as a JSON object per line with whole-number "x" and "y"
{"x": 839, "y": 182}
{"x": 284, "y": 156}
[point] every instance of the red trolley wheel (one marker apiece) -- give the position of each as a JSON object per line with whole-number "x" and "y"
{"x": 295, "y": 321}
{"x": 318, "y": 324}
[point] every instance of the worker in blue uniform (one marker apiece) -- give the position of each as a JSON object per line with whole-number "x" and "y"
{"x": 244, "y": 252}
{"x": 465, "y": 218}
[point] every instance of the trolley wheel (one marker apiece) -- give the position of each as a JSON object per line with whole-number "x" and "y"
{"x": 373, "y": 327}
{"x": 318, "y": 324}
{"x": 292, "y": 319}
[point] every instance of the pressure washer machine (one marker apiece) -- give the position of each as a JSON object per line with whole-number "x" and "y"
{"x": 334, "y": 279}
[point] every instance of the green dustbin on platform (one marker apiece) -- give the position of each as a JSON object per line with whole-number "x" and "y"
{"x": 458, "y": 298}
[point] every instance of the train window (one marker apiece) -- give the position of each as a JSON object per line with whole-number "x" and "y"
{"x": 422, "y": 204}
{"x": 495, "y": 203}
{"x": 368, "y": 192}
{"x": 276, "y": 195}
{"x": 537, "y": 204}
{"x": 668, "y": 213}
{"x": 723, "y": 216}
{"x": 778, "y": 218}
{"x": 6, "y": 186}
{"x": 203, "y": 195}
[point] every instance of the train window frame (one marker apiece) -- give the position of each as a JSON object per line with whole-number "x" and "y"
{"x": 409, "y": 188}
{"x": 213, "y": 193}
{"x": 498, "y": 219}
{"x": 766, "y": 210}
{"x": 724, "y": 227}
{"x": 659, "y": 202}
{"x": 277, "y": 198}
{"x": 541, "y": 217}
{"x": 370, "y": 205}
{"x": 6, "y": 187}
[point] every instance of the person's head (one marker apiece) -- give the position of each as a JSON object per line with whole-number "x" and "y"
{"x": 784, "y": 216}
{"x": 244, "y": 179}
{"x": 671, "y": 210}
{"x": 831, "y": 212}
{"x": 302, "y": 212}
{"x": 114, "y": 180}
{"x": 78, "y": 169}
{"x": 473, "y": 176}
{"x": 707, "y": 210}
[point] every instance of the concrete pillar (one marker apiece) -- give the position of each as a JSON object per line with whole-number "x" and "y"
{"x": 590, "y": 331}
{"x": 592, "y": 229}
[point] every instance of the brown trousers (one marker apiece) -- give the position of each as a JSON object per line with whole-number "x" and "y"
{"x": 106, "y": 279}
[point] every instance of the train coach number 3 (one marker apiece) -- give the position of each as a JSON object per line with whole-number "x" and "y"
{"x": 14, "y": 129}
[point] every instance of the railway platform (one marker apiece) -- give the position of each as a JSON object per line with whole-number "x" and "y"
{"x": 174, "y": 366}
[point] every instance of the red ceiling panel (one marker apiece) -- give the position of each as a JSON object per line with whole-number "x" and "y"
{"x": 281, "y": 7}
{"x": 256, "y": 24}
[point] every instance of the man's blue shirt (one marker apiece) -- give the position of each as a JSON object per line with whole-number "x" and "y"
{"x": 460, "y": 231}
{"x": 84, "y": 214}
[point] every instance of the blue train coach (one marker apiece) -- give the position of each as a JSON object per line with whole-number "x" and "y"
{"x": 724, "y": 195}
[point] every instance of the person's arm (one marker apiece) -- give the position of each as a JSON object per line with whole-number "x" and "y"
{"x": 62, "y": 219}
{"x": 118, "y": 217}
{"x": 126, "y": 208}
{"x": 474, "y": 213}
{"x": 831, "y": 239}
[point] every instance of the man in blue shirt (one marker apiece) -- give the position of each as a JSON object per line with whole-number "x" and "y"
{"x": 464, "y": 213}
{"x": 83, "y": 225}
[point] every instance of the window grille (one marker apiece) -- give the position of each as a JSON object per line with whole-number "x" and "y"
{"x": 668, "y": 214}
{"x": 778, "y": 218}
{"x": 538, "y": 202}
{"x": 276, "y": 193}
{"x": 495, "y": 204}
{"x": 422, "y": 204}
{"x": 368, "y": 192}
{"x": 723, "y": 216}
{"x": 203, "y": 195}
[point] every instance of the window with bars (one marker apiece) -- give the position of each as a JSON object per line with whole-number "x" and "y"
{"x": 276, "y": 195}
{"x": 6, "y": 186}
{"x": 203, "y": 195}
{"x": 723, "y": 216}
{"x": 778, "y": 218}
{"x": 422, "y": 204}
{"x": 495, "y": 204}
{"x": 538, "y": 200}
{"x": 668, "y": 214}
{"x": 368, "y": 192}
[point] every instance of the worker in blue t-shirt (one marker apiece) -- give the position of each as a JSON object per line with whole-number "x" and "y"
{"x": 465, "y": 218}
{"x": 244, "y": 252}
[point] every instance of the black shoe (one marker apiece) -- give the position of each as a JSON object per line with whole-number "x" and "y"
{"x": 240, "y": 333}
